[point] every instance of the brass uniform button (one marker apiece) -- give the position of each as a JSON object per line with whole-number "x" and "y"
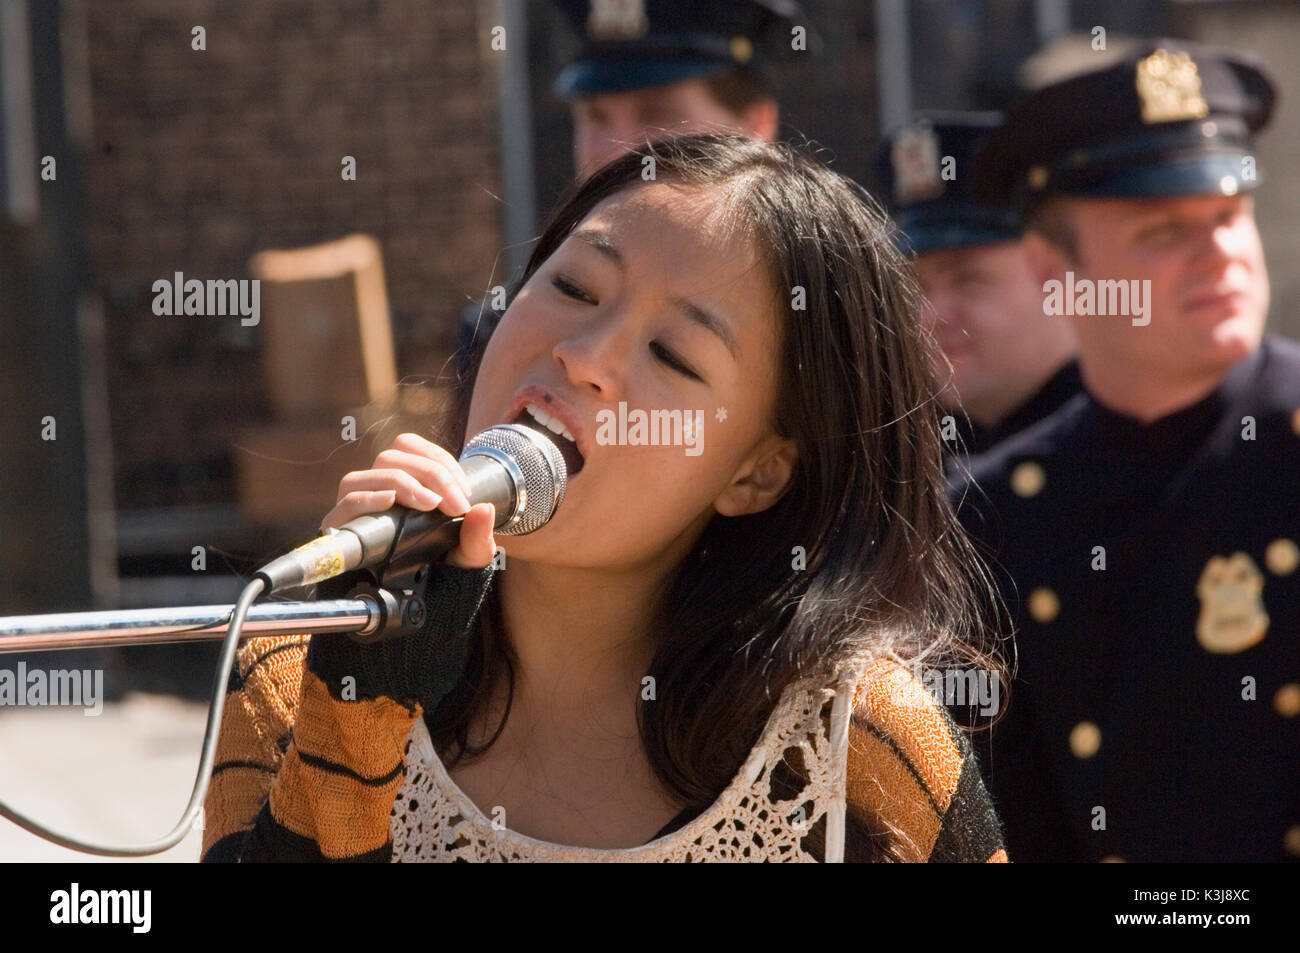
{"x": 1291, "y": 840}
{"x": 742, "y": 50}
{"x": 1027, "y": 480}
{"x": 1286, "y": 701}
{"x": 1085, "y": 739}
{"x": 1043, "y": 604}
{"x": 1282, "y": 557}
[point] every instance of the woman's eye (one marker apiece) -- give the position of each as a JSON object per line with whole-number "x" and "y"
{"x": 570, "y": 290}
{"x": 671, "y": 359}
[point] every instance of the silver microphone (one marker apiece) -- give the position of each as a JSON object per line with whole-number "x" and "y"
{"x": 517, "y": 469}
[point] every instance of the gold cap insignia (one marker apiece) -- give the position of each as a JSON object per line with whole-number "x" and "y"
{"x": 1169, "y": 88}
{"x": 617, "y": 19}
{"x": 1232, "y": 608}
{"x": 742, "y": 50}
{"x": 915, "y": 157}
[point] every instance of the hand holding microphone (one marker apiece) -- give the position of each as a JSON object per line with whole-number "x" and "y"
{"x": 421, "y": 475}
{"x": 509, "y": 480}
{"x": 518, "y": 469}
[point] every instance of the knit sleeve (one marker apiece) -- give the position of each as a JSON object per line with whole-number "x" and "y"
{"x": 312, "y": 751}
{"x": 912, "y": 771}
{"x": 302, "y": 773}
{"x": 256, "y": 725}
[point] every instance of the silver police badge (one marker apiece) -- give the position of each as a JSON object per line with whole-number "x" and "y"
{"x": 1232, "y": 616}
{"x": 915, "y": 157}
{"x": 617, "y": 19}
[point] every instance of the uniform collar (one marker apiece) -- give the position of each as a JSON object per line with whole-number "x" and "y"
{"x": 973, "y": 439}
{"x": 1175, "y": 432}
{"x": 1059, "y": 388}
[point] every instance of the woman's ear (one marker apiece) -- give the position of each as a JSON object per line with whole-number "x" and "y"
{"x": 760, "y": 480}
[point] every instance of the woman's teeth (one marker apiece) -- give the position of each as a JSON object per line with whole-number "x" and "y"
{"x": 550, "y": 423}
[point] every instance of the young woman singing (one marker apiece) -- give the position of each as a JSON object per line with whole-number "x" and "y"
{"x": 702, "y": 656}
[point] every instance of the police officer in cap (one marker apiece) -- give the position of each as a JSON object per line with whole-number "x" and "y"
{"x": 1006, "y": 364}
{"x": 1146, "y": 534}
{"x": 661, "y": 67}
{"x": 652, "y": 68}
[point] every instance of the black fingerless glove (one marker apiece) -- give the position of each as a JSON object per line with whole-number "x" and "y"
{"x": 422, "y": 667}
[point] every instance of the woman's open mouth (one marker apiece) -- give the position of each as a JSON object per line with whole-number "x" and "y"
{"x": 535, "y": 418}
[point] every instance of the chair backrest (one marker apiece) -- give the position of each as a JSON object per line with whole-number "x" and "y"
{"x": 326, "y": 332}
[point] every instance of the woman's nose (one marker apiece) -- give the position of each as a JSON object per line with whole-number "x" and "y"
{"x": 596, "y": 355}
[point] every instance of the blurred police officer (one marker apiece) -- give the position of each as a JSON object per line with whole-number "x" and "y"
{"x": 653, "y": 68}
{"x": 667, "y": 67}
{"x": 1146, "y": 533}
{"x": 1006, "y": 363}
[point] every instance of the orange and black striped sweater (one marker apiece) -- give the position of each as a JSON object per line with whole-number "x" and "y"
{"x": 304, "y": 775}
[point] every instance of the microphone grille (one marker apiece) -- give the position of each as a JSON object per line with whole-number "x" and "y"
{"x": 541, "y": 465}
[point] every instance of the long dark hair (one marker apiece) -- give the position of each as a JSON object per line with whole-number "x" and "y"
{"x": 887, "y": 569}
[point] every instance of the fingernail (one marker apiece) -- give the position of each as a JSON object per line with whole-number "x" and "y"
{"x": 427, "y": 497}
{"x": 461, "y": 501}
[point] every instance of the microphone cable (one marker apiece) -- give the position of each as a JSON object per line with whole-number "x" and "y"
{"x": 229, "y": 647}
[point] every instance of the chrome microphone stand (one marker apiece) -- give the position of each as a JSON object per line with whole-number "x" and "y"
{"x": 74, "y": 630}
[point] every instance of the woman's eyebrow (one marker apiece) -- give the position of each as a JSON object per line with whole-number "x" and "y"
{"x": 602, "y": 243}
{"x": 709, "y": 320}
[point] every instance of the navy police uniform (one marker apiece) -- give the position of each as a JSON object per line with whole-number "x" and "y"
{"x": 926, "y": 172}
{"x": 637, "y": 44}
{"x": 1152, "y": 570}
{"x": 975, "y": 438}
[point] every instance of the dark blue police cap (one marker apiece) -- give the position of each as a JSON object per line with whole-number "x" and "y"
{"x": 634, "y": 44}
{"x": 1169, "y": 118}
{"x": 927, "y": 171}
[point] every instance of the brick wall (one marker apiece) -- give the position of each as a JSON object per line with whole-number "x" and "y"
{"x": 201, "y": 159}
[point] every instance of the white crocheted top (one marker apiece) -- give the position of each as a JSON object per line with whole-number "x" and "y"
{"x": 433, "y": 820}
